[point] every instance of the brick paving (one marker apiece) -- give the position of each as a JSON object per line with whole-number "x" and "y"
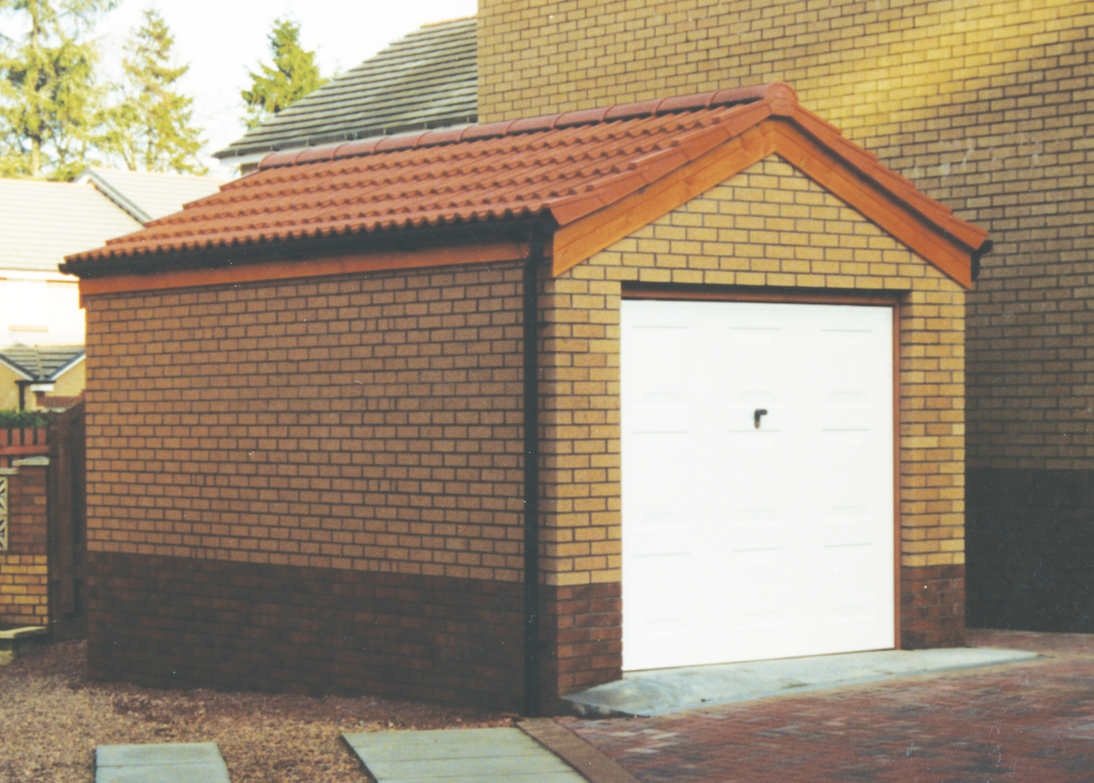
{"x": 1018, "y": 722}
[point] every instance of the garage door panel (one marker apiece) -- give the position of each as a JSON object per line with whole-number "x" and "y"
{"x": 788, "y": 526}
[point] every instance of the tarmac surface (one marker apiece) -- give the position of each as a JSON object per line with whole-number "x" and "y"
{"x": 1030, "y": 721}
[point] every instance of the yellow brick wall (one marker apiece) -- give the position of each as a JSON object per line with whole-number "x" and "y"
{"x": 768, "y": 226}
{"x": 24, "y": 583}
{"x": 370, "y": 423}
{"x": 985, "y": 104}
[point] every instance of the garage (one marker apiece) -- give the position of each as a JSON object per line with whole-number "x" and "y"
{"x": 486, "y": 415}
{"x": 757, "y": 480}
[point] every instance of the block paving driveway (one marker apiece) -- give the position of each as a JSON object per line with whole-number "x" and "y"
{"x": 1024, "y": 722}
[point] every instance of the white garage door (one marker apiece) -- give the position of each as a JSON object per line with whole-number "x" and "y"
{"x": 757, "y": 481}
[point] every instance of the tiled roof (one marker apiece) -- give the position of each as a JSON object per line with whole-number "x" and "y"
{"x": 561, "y": 168}
{"x": 425, "y": 80}
{"x": 147, "y": 195}
{"x": 40, "y": 362}
{"x": 42, "y": 222}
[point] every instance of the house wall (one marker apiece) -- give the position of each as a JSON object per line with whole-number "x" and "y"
{"x": 24, "y": 572}
{"x": 39, "y": 309}
{"x": 767, "y": 227}
{"x": 986, "y": 106}
{"x": 310, "y": 485}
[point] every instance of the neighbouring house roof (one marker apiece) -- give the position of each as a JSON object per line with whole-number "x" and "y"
{"x": 147, "y": 195}
{"x": 42, "y": 222}
{"x": 41, "y": 363}
{"x": 426, "y": 80}
{"x": 585, "y": 173}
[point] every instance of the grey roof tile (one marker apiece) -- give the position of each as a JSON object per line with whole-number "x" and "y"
{"x": 42, "y": 222}
{"x": 426, "y": 80}
{"x": 150, "y": 195}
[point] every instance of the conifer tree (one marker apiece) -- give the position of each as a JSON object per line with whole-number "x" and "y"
{"x": 49, "y": 99}
{"x": 292, "y": 76}
{"x": 150, "y": 127}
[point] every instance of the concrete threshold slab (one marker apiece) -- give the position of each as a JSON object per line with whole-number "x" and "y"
{"x": 662, "y": 691}
{"x": 168, "y": 762}
{"x": 458, "y": 756}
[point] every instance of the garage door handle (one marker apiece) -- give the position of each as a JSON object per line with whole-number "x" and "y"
{"x": 760, "y": 412}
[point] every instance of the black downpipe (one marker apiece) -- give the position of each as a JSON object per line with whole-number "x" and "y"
{"x": 531, "y": 473}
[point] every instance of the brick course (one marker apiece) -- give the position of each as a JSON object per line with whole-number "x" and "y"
{"x": 184, "y": 622}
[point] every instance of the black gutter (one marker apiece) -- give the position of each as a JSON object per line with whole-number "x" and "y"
{"x": 531, "y": 471}
{"x": 407, "y": 239}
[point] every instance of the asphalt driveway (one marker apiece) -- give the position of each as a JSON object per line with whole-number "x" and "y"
{"x": 1029, "y": 722}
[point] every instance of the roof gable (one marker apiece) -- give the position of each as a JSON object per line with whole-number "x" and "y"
{"x": 148, "y": 195}
{"x": 590, "y": 174}
{"x": 429, "y": 79}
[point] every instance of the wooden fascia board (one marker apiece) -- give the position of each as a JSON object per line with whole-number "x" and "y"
{"x": 313, "y": 267}
{"x": 580, "y": 240}
{"x": 855, "y": 189}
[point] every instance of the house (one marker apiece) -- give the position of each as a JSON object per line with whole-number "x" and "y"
{"x": 43, "y": 377}
{"x": 425, "y": 80}
{"x": 421, "y": 415}
{"x": 986, "y": 106}
{"x": 42, "y": 222}
{"x": 40, "y": 318}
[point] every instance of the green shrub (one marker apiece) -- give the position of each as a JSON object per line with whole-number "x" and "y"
{"x": 13, "y": 419}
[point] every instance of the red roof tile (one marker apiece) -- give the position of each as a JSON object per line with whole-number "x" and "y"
{"x": 564, "y": 167}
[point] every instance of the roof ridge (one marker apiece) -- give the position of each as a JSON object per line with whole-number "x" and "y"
{"x": 780, "y": 95}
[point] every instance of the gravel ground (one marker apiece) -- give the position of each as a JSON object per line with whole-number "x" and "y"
{"x": 53, "y": 716}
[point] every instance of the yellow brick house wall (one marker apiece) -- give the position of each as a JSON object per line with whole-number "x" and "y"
{"x": 987, "y": 107}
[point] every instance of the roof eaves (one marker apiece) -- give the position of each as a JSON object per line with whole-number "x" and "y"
{"x": 16, "y": 367}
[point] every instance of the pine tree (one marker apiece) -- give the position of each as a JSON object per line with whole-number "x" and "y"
{"x": 292, "y": 76}
{"x": 49, "y": 99}
{"x": 149, "y": 129}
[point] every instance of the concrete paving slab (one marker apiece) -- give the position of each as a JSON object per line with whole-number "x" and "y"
{"x": 163, "y": 773}
{"x": 168, "y": 762}
{"x": 458, "y": 755}
{"x": 663, "y": 691}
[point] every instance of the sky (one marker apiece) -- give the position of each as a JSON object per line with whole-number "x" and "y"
{"x": 222, "y": 40}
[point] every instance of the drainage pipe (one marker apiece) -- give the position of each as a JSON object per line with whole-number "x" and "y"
{"x": 531, "y": 471}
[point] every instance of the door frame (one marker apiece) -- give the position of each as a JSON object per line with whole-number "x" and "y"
{"x": 891, "y": 299}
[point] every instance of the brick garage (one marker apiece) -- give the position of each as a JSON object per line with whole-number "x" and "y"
{"x": 308, "y": 416}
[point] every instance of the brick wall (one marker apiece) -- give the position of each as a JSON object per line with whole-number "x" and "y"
{"x": 186, "y": 622}
{"x": 364, "y": 424}
{"x": 768, "y": 226}
{"x": 24, "y": 571}
{"x": 342, "y": 435}
{"x": 985, "y": 105}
